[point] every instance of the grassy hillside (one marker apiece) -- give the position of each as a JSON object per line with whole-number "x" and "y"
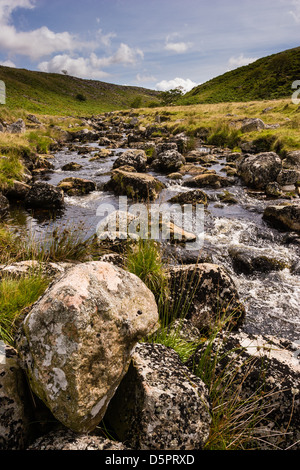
{"x": 58, "y": 94}
{"x": 266, "y": 79}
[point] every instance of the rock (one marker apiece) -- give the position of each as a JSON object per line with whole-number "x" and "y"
{"x": 76, "y": 342}
{"x": 273, "y": 190}
{"x": 232, "y": 157}
{"x": 211, "y": 295}
{"x": 18, "y": 191}
{"x": 288, "y": 177}
{"x": 137, "y": 186}
{"x": 47, "y": 269}
{"x": 266, "y": 374}
{"x": 258, "y": 170}
{"x": 252, "y": 124}
{"x": 135, "y": 158}
{"x": 160, "y": 405}
{"x": 14, "y": 415}
{"x": 72, "y": 166}
{"x": 207, "y": 180}
{"x": 292, "y": 160}
{"x": 45, "y": 196}
{"x": 165, "y": 147}
{"x": 168, "y": 162}
{"x": 195, "y": 196}
{"x": 68, "y": 440}
{"x": 17, "y": 127}
{"x": 175, "y": 176}
{"x": 84, "y": 135}
{"x": 249, "y": 261}
{"x": 286, "y": 217}
{"x": 33, "y": 118}
{"x": 4, "y": 205}
{"x": 77, "y": 186}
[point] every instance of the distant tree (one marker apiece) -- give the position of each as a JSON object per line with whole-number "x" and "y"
{"x": 171, "y": 96}
{"x": 65, "y": 72}
{"x": 137, "y": 102}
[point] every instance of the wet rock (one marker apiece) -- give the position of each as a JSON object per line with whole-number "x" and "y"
{"x": 135, "y": 158}
{"x": 285, "y": 217}
{"x": 288, "y": 177}
{"x": 249, "y": 261}
{"x": 14, "y": 412}
{"x": 169, "y": 161}
{"x": 211, "y": 180}
{"x": 266, "y": 374}
{"x": 292, "y": 160}
{"x": 273, "y": 190}
{"x": 232, "y": 157}
{"x": 76, "y": 342}
{"x": 84, "y": 135}
{"x": 68, "y": 440}
{"x": 77, "y": 186}
{"x": 43, "y": 195}
{"x": 161, "y": 404}
{"x": 72, "y": 166}
{"x": 137, "y": 186}
{"x": 211, "y": 292}
{"x": 195, "y": 196}
{"x": 18, "y": 191}
{"x": 4, "y": 205}
{"x": 258, "y": 170}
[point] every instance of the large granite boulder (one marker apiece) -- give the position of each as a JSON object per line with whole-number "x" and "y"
{"x": 160, "y": 405}
{"x": 258, "y": 170}
{"x": 76, "y": 342}
{"x": 286, "y": 217}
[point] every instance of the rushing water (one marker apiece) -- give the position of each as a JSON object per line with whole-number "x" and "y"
{"x": 272, "y": 299}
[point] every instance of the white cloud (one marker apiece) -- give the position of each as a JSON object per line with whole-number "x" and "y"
{"x": 166, "y": 85}
{"x": 8, "y": 63}
{"x": 178, "y": 47}
{"x": 92, "y": 66}
{"x": 145, "y": 78}
{"x": 296, "y": 12}
{"x": 240, "y": 61}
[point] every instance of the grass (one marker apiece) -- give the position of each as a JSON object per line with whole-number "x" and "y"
{"x": 11, "y": 168}
{"x": 15, "y": 295}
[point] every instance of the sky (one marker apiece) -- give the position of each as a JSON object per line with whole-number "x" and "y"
{"x": 156, "y": 44}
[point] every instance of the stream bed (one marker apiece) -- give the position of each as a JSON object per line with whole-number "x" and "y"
{"x": 272, "y": 299}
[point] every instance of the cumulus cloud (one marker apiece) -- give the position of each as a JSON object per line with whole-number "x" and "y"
{"x": 166, "y": 85}
{"x": 142, "y": 78}
{"x": 36, "y": 43}
{"x": 92, "y": 66}
{"x": 240, "y": 61}
{"x": 8, "y": 63}
{"x": 174, "y": 45}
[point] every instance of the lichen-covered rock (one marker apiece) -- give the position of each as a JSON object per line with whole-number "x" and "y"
{"x": 135, "y": 158}
{"x": 4, "y": 205}
{"x": 168, "y": 161}
{"x": 207, "y": 294}
{"x": 252, "y": 124}
{"x": 209, "y": 179}
{"x": 195, "y": 196}
{"x": 250, "y": 260}
{"x": 266, "y": 373}
{"x": 72, "y": 166}
{"x": 258, "y": 170}
{"x": 160, "y": 405}
{"x": 14, "y": 416}
{"x": 137, "y": 186}
{"x": 45, "y": 196}
{"x": 292, "y": 160}
{"x": 68, "y": 440}
{"x": 77, "y": 186}
{"x": 285, "y": 217}
{"x": 76, "y": 342}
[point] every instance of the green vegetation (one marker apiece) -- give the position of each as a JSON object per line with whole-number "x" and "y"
{"x": 61, "y": 94}
{"x": 11, "y": 169}
{"x": 15, "y": 295}
{"x": 266, "y": 79}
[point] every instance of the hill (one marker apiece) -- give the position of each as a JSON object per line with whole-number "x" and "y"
{"x": 58, "y": 94}
{"x": 265, "y": 79}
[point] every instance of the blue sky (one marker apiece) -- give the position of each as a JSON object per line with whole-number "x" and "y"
{"x": 156, "y": 44}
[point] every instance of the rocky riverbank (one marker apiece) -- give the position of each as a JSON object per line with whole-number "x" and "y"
{"x": 79, "y": 346}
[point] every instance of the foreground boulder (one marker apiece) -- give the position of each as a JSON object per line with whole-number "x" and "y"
{"x": 76, "y": 342}
{"x": 258, "y": 170}
{"x": 14, "y": 419}
{"x": 264, "y": 373}
{"x": 77, "y": 186}
{"x": 168, "y": 161}
{"x": 134, "y": 158}
{"x": 160, "y": 405}
{"x": 45, "y": 196}
{"x": 68, "y": 440}
{"x": 286, "y": 217}
{"x": 137, "y": 186}
{"x": 206, "y": 294}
